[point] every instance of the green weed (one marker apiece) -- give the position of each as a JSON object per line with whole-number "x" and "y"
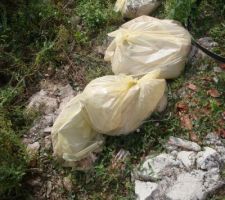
{"x": 96, "y": 14}
{"x": 12, "y": 159}
{"x": 179, "y": 10}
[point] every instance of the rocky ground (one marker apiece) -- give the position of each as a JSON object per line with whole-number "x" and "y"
{"x": 185, "y": 170}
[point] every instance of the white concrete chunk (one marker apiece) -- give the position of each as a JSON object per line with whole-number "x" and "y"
{"x": 144, "y": 190}
{"x": 213, "y": 139}
{"x": 155, "y": 166}
{"x": 208, "y": 159}
{"x": 188, "y": 187}
{"x": 187, "y": 158}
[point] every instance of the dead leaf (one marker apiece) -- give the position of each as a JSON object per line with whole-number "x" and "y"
{"x": 186, "y": 122}
{"x": 193, "y": 116}
{"x": 206, "y": 78}
{"x": 192, "y": 87}
{"x": 181, "y": 106}
{"x": 222, "y": 66}
{"x": 213, "y": 93}
{"x": 222, "y": 133}
{"x": 119, "y": 159}
{"x": 193, "y": 137}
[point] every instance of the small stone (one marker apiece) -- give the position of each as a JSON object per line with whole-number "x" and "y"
{"x": 207, "y": 42}
{"x": 26, "y": 140}
{"x": 217, "y": 69}
{"x": 184, "y": 144}
{"x": 215, "y": 79}
{"x": 212, "y": 139}
{"x": 66, "y": 91}
{"x": 187, "y": 158}
{"x": 35, "y": 182}
{"x": 144, "y": 190}
{"x": 197, "y": 54}
{"x": 42, "y": 102}
{"x": 75, "y": 20}
{"x": 49, "y": 119}
{"x": 100, "y": 50}
{"x": 203, "y": 67}
{"x": 208, "y": 159}
{"x": 66, "y": 94}
{"x": 32, "y": 149}
{"x": 48, "y": 130}
{"x": 51, "y": 71}
{"x": 48, "y": 142}
{"x": 79, "y": 28}
{"x": 49, "y": 189}
{"x": 67, "y": 183}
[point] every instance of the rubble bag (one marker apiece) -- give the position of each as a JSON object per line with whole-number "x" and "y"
{"x": 136, "y": 8}
{"x": 118, "y": 104}
{"x": 72, "y": 136}
{"x": 147, "y": 44}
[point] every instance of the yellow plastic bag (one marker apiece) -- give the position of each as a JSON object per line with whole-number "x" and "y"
{"x": 136, "y": 8}
{"x": 119, "y": 104}
{"x": 110, "y": 105}
{"x": 147, "y": 44}
{"x": 72, "y": 136}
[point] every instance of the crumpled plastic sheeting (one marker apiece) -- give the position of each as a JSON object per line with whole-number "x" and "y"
{"x": 147, "y": 44}
{"x": 136, "y": 8}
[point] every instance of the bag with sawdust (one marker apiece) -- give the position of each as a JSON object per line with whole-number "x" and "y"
{"x": 111, "y": 105}
{"x": 147, "y": 44}
{"x": 117, "y": 105}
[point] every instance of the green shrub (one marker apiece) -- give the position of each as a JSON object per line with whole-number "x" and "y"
{"x": 96, "y": 14}
{"x": 179, "y": 10}
{"x": 12, "y": 160}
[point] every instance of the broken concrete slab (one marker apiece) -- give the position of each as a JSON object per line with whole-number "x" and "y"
{"x": 158, "y": 165}
{"x": 189, "y": 186}
{"x": 187, "y": 158}
{"x": 208, "y": 159}
{"x": 144, "y": 190}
